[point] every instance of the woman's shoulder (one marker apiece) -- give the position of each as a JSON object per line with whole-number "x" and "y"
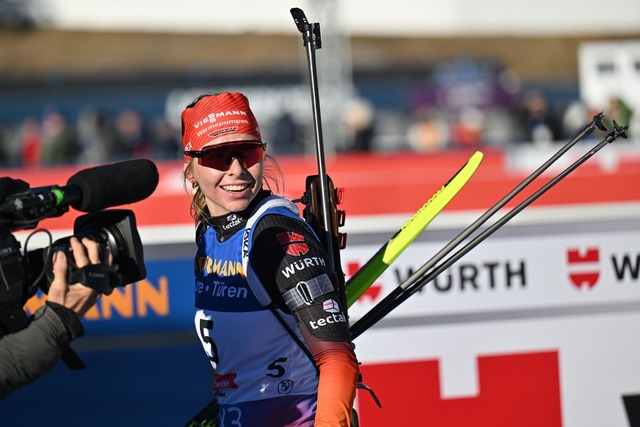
{"x": 273, "y": 204}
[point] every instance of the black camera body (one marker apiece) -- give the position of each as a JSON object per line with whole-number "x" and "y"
{"x": 14, "y": 286}
{"x": 94, "y": 190}
{"x": 113, "y": 229}
{"x": 23, "y": 274}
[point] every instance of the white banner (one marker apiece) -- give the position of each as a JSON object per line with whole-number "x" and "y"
{"x": 542, "y": 270}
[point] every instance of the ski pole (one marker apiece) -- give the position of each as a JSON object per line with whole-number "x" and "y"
{"x": 312, "y": 41}
{"x": 419, "y": 278}
{"x": 413, "y": 288}
{"x": 595, "y": 122}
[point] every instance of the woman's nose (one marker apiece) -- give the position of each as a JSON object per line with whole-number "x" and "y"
{"x": 237, "y": 164}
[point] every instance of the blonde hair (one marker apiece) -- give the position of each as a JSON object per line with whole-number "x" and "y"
{"x": 272, "y": 179}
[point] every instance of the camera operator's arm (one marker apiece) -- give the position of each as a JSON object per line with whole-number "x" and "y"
{"x": 35, "y": 350}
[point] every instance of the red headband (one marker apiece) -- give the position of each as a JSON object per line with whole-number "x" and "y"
{"x": 216, "y": 116}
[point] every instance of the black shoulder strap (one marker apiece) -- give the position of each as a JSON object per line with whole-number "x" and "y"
{"x": 295, "y": 337}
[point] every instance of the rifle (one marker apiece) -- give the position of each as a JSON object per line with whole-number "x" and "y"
{"x": 321, "y": 197}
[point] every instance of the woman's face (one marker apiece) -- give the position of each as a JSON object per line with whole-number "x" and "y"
{"x": 231, "y": 190}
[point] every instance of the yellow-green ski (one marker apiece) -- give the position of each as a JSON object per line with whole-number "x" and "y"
{"x": 378, "y": 263}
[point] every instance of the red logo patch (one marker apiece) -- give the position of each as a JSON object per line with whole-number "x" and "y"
{"x": 221, "y": 382}
{"x": 584, "y": 268}
{"x": 293, "y": 243}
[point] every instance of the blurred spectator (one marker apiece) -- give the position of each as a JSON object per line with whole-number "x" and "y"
{"x": 97, "y": 136}
{"x": 538, "y": 121}
{"x": 166, "y": 142}
{"x": 134, "y": 141}
{"x": 499, "y": 127}
{"x": 287, "y": 135}
{"x": 12, "y": 144}
{"x": 468, "y": 130}
{"x": 575, "y": 117}
{"x": 428, "y": 132}
{"x": 59, "y": 145}
{"x": 358, "y": 120}
{"x": 5, "y": 145}
{"x": 619, "y": 111}
{"x": 30, "y": 142}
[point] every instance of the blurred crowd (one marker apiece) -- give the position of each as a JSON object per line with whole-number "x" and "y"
{"x": 533, "y": 120}
{"x": 95, "y": 137}
{"x": 465, "y": 103}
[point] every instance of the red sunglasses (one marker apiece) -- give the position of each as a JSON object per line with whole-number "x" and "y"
{"x": 221, "y": 156}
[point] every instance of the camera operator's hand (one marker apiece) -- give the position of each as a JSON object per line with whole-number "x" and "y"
{"x": 76, "y": 297}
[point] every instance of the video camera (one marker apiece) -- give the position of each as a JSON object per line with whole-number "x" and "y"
{"x": 91, "y": 190}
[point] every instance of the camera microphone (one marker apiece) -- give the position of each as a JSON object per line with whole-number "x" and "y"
{"x": 113, "y": 185}
{"x": 89, "y": 190}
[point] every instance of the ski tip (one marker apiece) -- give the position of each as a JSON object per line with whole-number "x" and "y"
{"x": 476, "y": 158}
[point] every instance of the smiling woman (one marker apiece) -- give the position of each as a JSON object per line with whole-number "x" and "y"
{"x": 277, "y": 337}
{"x": 228, "y": 172}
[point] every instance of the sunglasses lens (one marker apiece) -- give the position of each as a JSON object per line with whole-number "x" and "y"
{"x": 221, "y": 156}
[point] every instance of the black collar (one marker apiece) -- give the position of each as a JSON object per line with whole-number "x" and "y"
{"x": 227, "y": 225}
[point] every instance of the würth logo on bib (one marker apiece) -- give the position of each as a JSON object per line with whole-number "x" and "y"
{"x": 293, "y": 243}
{"x": 584, "y": 267}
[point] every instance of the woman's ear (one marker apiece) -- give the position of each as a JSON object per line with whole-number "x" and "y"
{"x": 188, "y": 172}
